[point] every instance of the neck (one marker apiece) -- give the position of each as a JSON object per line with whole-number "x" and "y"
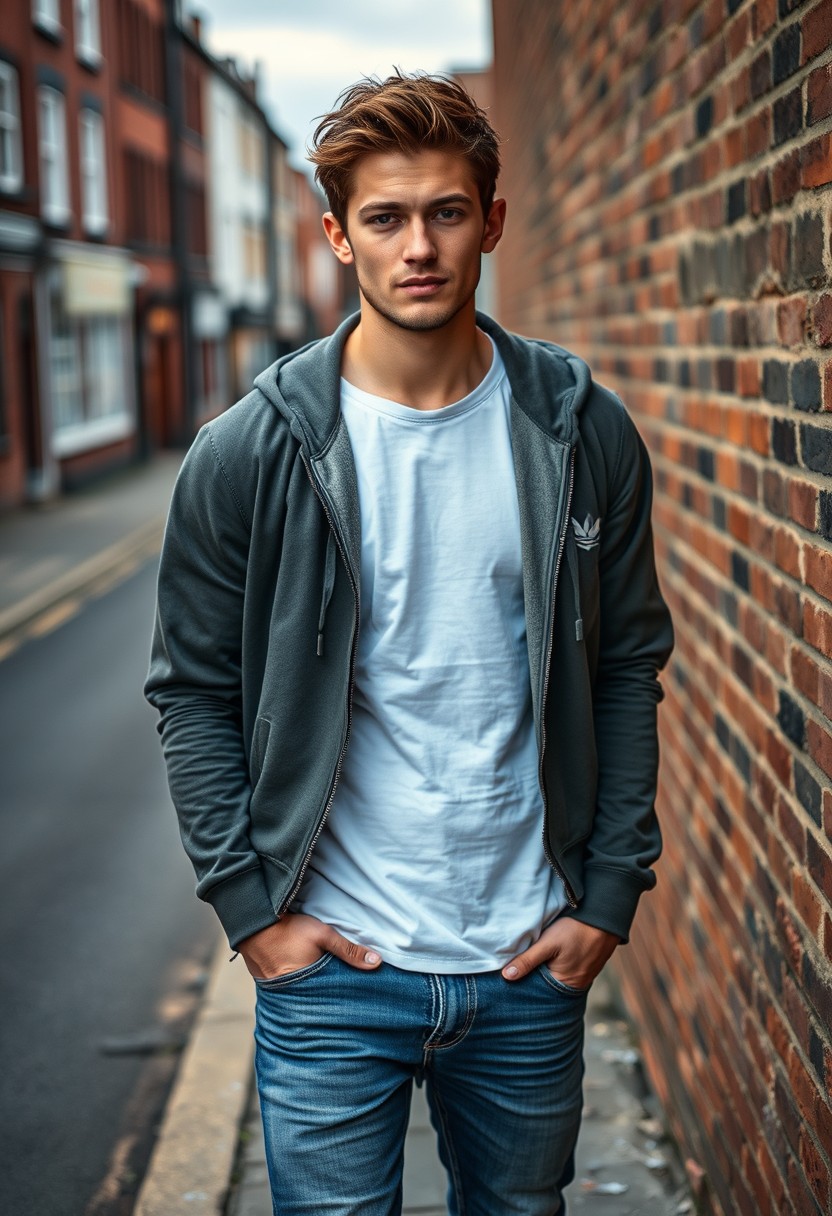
{"x": 424, "y": 369}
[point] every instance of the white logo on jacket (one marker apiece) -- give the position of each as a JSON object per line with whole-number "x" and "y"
{"x": 587, "y": 534}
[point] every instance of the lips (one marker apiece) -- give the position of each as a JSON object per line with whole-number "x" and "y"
{"x": 422, "y": 287}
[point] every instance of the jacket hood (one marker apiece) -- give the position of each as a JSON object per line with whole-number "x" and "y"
{"x": 549, "y": 383}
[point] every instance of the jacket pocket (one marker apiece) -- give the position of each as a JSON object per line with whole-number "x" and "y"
{"x": 259, "y": 745}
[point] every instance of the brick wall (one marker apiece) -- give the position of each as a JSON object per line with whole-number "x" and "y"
{"x": 668, "y": 168}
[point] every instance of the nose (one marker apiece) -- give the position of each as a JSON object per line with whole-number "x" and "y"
{"x": 419, "y": 246}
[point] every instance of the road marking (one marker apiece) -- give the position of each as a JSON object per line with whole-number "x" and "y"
{"x": 123, "y": 563}
{"x": 51, "y": 619}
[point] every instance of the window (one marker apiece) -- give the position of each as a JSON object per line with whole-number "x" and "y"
{"x": 54, "y": 190}
{"x": 89, "y": 369}
{"x": 46, "y": 15}
{"x": 87, "y": 32}
{"x": 11, "y": 157}
{"x": 93, "y": 172}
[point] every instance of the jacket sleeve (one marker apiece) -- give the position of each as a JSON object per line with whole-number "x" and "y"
{"x": 194, "y": 682}
{"x": 636, "y": 639}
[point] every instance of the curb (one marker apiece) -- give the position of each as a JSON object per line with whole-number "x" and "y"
{"x": 143, "y": 541}
{"x": 191, "y": 1165}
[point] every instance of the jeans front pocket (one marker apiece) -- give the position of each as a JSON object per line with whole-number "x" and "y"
{"x": 293, "y": 977}
{"x": 559, "y": 985}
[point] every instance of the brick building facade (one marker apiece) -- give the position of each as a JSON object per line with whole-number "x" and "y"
{"x": 668, "y": 169}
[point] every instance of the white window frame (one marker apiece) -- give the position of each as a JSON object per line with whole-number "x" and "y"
{"x": 54, "y": 178}
{"x": 87, "y": 32}
{"x": 93, "y": 158}
{"x": 89, "y": 377}
{"x": 46, "y": 15}
{"x": 11, "y": 176}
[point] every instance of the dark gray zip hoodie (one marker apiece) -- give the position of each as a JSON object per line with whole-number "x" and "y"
{"x": 258, "y": 608}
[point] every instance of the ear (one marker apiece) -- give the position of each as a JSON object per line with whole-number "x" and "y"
{"x": 337, "y": 237}
{"x": 494, "y": 222}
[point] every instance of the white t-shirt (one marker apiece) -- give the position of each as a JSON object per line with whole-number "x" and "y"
{"x": 433, "y": 851}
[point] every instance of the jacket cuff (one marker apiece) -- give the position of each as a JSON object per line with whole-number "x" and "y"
{"x": 609, "y": 901}
{"x": 243, "y": 905}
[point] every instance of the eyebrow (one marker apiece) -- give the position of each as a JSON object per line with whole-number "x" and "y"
{"x": 444, "y": 201}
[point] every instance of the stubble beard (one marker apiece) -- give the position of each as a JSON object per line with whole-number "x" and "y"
{"x": 413, "y": 324}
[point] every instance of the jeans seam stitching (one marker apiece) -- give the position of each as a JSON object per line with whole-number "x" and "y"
{"x": 470, "y": 1014}
{"x": 452, "y": 1158}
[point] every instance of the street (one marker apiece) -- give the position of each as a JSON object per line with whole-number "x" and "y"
{"x": 102, "y": 942}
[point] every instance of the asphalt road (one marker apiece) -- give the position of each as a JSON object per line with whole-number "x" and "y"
{"x": 102, "y": 942}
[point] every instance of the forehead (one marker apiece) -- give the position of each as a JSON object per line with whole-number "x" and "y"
{"x": 410, "y": 179}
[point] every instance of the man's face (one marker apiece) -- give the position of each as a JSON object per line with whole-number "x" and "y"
{"x": 415, "y": 232}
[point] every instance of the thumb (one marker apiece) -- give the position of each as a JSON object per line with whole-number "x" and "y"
{"x": 357, "y": 956}
{"x": 523, "y": 963}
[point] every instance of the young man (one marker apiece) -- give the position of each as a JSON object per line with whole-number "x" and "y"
{"x": 406, "y": 658}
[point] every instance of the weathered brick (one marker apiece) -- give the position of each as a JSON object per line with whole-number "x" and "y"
{"x": 807, "y": 266}
{"x": 819, "y": 94}
{"x": 788, "y": 116}
{"x": 816, "y": 30}
{"x": 816, "y": 162}
{"x": 776, "y": 381}
{"x": 816, "y": 447}
{"x": 805, "y": 385}
{"x": 791, "y": 319}
{"x": 822, "y": 320}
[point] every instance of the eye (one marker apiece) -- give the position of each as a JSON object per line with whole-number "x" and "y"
{"x": 448, "y": 213}
{"x": 382, "y": 221}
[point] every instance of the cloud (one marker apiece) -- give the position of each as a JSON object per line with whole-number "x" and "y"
{"x": 307, "y": 59}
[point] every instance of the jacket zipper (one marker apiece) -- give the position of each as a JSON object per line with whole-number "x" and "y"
{"x": 570, "y": 894}
{"x": 357, "y": 594}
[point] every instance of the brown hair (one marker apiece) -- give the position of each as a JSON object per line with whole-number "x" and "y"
{"x": 404, "y": 113}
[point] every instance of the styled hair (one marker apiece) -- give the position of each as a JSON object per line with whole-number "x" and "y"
{"x": 405, "y": 113}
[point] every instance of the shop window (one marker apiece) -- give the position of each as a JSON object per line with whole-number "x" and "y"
{"x": 89, "y": 367}
{"x": 11, "y": 151}
{"x": 93, "y": 172}
{"x": 54, "y": 186}
{"x": 87, "y": 32}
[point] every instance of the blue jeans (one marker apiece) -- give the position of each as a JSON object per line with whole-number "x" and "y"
{"x": 338, "y": 1051}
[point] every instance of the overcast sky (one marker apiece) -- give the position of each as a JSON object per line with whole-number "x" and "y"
{"x": 312, "y": 49}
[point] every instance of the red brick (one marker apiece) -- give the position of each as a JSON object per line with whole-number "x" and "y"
{"x": 806, "y": 902}
{"x": 815, "y": 1169}
{"x": 822, "y": 321}
{"x": 817, "y": 30}
{"x": 817, "y": 627}
{"x": 787, "y": 177}
{"x": 819, "y": 746}
{"x": 818, "y": 569}
{"x": 763, "y": 17}
{"x": 791, "y": 320}
{"x": 816, "y": 162}
{"x": 803, "y": 503}
{"x": 819, "y": 94}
